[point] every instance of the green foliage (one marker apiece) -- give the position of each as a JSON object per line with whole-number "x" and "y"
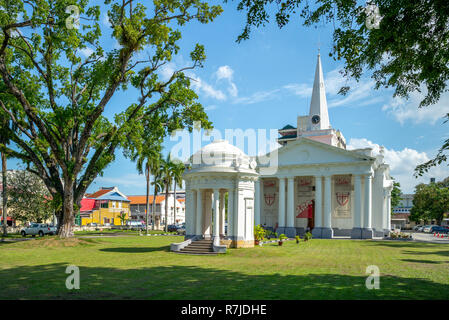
{"x": 297, "y": 237}
{"x": 28, "y": 198}
{"x": 282, "y": 237}
{"x": 56, "y": 97}
{"x": 430, "y": 202}
{"x": 307, "y": 236}
{"x": 122, "y": 217}
{"x": 259, "y": 232}
{"x": 395, "y": 195}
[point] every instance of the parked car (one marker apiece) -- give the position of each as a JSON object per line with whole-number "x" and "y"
{"x": 427, "y": 228}
{"x": 40, "y": 229}
{"x": 438, "y": 229}
{"x": 416, "y": 228}
{"x": 181, "y": 229}
{"x": 172, "y": 227}
{"x": 420, "y": 229}
{"x": 136, "y": 224}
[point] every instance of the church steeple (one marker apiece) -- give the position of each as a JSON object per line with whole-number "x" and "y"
{"x": 318, "y": 114}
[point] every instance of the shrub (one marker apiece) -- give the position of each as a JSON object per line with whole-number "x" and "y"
{"x": 259, "y": 232}
{"x": 282, "y": 237}
{"x": 307, "y": 236}
{"x": 297, "y": 239}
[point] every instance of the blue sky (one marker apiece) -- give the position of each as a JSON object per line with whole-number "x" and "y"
{"x": 265, "y": 82}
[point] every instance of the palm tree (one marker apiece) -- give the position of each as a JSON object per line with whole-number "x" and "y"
{"x": 158, "y": 187}
{"x": 177, "y": 170}
{"x": 146, "y": 161}
{"x": 167, "y": 176}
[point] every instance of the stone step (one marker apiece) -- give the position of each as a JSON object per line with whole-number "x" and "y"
{"x": 196, "y": 252}
{"x": 197, "y": 249}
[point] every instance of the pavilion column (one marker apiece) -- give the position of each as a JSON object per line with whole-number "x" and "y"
{"x": 281, "y": 217}
{"x": 190, "y": 212}
{"x": 367, "y": 231}
{"x": 327, "y": 231}
{"x": 389, "y": 211}
{"x": 257, "y": 199}
{"x": 318, "y": 214}
{"x": 199, "y": 213}
{"x": 216, "y": 218}
{"x": 385, "y": 212}
{"x": 356, "y": 232}
{"x": 231, "y": 233}
{"x": 222, "y": 214}
{"x": 290, "y": 230}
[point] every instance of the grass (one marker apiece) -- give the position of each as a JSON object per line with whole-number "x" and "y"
{"x": 117, "y": 232}
{"x": 144, "y": 268}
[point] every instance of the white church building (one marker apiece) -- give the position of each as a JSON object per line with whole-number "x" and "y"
{"x": 318, "y": 186}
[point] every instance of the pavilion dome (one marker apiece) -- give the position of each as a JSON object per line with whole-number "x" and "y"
{"x": 221, "y": 154}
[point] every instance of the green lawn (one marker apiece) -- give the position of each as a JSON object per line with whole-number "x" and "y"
{"x": 144, "y": 268}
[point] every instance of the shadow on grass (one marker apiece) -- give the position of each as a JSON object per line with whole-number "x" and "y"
{"x": 424, "y": 261}
{"x": 191, "y": 282}
{"x": 136, "y": 249}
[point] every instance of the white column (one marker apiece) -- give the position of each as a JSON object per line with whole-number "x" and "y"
{"x": 389, "y": 211}
{"x": 222, "y": 213}
{"x": 327, "y": 215}
{"x": 367, "y": 231}
{"x": 368, "y": 202}
{"x": 318, "y": 214}
{"x": 216, "y": 218}
{"x": 281, "y": 218}
{"x": 190, "y": 212}
{"x": 230, "y": 213}
{"x": 291, "y": 203}
{"x": 356, "y": 232}
{"x": 357, "y": 201}
{"x": 199, "y": 213}
{"x": 257, "y": 199}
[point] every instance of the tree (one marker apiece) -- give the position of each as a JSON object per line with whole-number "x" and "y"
{"x": 158, "y": 185}
{"x": 148, "y": 158}
{"x": 57, "y": 98}
{"x": 178, "y": 168}
{"x": 122, "y": 217}
{"x": 395, "y": 195}
{"x": 430, "y": 202}
{"x": 400, "y": 41}
{"x": 29, "y": 199}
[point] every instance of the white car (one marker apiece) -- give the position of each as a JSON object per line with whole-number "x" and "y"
{"x": 40, "y": 229}
{"x": 428, "y": 228}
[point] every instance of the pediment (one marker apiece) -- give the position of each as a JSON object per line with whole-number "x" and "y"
{"x": 306, "y": 151}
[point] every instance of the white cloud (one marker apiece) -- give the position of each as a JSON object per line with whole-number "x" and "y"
{"x": 201, "y": 86}
{"x": 86, "y": 52}
{"x": 105, "y": 20}
{"x": 402, "y": 164}
{"x": 403, "y": 110}
{"x": 224, "y": 72}
{"x": 300, "y": 89}
{"x": 258, "y": 97}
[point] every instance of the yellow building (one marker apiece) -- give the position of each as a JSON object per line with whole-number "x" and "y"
{"x": 105, "y": 207}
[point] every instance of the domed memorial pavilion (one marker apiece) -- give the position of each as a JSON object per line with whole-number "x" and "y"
{"x": 217, "y": 169}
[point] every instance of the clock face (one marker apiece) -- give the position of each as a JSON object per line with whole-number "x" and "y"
{"x": 316, "y": 119}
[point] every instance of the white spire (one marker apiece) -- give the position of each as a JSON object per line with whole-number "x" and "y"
{"x": 318, "y": 105}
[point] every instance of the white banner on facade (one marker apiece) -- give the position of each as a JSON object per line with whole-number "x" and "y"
{"x": 342, "y": 196}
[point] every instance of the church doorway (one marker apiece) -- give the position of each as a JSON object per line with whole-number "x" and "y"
{"x": 311, "y": 216}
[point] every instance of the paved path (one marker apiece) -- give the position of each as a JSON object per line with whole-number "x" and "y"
{"x": 428, "y": 237}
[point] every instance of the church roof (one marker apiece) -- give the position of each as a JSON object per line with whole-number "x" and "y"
{"x": 287, "y": 127}
{"x": 288, "y": 136}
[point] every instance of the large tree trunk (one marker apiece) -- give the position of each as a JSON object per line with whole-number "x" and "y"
{"x": 147, "y": 209}
{"x": 5, "y": 195}
{"x": 68, "y": 220}
{"x": 166, "y": 206}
